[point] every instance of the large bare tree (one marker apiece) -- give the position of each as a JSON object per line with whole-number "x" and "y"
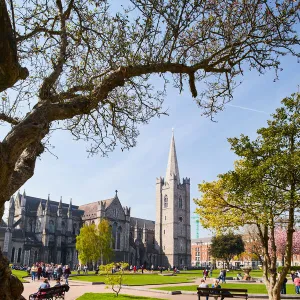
{"x": 91, "y": 68}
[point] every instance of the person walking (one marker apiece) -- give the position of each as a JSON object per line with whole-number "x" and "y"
{"x": 224, "y": 276}
{"x": 39, "y": 272}
{"x": 67, "y": 273}
{"x": 34, "y": 270}
{"x": 283, "y": 287}
{"x": 297, "y": 285}
{"x": 59, "y": 272}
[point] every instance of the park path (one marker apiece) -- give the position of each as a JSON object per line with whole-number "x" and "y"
{"x": 78, "y": 288}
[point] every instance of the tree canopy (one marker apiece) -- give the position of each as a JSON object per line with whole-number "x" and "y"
{"x": 226, "y": 246}
{"x": 94, "y": 243}
{"x": 263, "y": 189}
{"x": 91, "y": 67}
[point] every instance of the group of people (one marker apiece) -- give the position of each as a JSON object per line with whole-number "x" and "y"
{"x": 296, "y": 280}
{"x": 83, "y": 268}
{"x": 49, "y": 272}
{"x": 222, "y": 276}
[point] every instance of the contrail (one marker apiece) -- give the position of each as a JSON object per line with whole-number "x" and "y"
{"x": 247, "y": 108}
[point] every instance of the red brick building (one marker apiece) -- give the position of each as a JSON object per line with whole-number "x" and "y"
{"x": 200, "y": 252}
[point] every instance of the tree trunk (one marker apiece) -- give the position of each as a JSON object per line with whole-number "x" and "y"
{"x": 10, "y": 70}
{"x": 11, "y": 287}
{"x": 274, "y": 293}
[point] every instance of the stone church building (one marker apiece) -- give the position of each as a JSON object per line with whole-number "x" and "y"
{"x": 45, "y": 230}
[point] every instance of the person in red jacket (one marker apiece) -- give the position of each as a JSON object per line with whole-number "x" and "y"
{"x": 297, "y": 285}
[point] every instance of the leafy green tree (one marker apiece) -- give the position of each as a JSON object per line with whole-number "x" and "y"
{"x": 263, "y": 189}
{"x": 94, "y": 242}
{"x": 226, "y": 246}
{"x": 91, "y": 69}
{"x": 115, "y": 279}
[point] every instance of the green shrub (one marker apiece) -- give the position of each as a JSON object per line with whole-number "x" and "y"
{"x": 292, "y": 268}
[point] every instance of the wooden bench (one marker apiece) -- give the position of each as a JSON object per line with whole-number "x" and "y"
{"x": 56, "y": 292}
{"x": 222, "y": 293}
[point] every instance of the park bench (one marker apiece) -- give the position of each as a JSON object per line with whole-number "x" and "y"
{"x": 222, "y": 293}
{"x": 56, "y": 292}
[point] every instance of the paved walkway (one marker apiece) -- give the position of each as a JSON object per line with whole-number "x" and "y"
{"x": 78, "y": 288}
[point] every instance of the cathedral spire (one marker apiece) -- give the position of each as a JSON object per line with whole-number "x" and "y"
{"x": 172, "y": 168}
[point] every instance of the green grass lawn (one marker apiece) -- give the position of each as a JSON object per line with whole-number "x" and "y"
{"x": 20, "y": 274}
{"x": 251, "y": 287}
{"x": 94, "y": 296}
{"x": 233, "y": 273}
{"x": 138, "y": 279}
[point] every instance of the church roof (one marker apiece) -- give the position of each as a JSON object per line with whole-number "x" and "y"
{"x": 91, "y": 208}
{"x": 2, "y": 223}
{"x": 150, "y": 225}
{"x": 32, "y": 204}
{"x": 172, "y": 167}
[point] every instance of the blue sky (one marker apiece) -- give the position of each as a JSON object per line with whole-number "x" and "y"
{"x": 202, "y": 148}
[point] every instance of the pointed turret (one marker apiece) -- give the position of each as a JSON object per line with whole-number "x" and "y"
{"x": 47, "y": 207}
{"x": 18, "y": 199}
{"x": 144, "y": 235}
{"x": 70, "y": 209}
{"x": 70, "y": 220}
{"x": 172, "y": 168}
{"x": 12, "y": 203}
{"x": 59, "y": 211}
{"x": 23, "y": 200}
{"x": 11, "y": 214}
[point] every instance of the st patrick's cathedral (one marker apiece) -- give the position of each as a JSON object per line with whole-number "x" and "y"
{"x": 45, "y": 230}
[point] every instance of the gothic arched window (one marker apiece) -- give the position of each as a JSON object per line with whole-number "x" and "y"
{"x": 74, "y": 228}
{"x": 51, "y": 226}
{"x": 119, "y": 232}
{"x": 19, "y": 255}
{"x": 63, "y": 227}
{"x": 31, "y": 228}
{"x": 114, "y": 234}
{"x": 12, "y": 255}
{"x": 165, "y": 201}
{"x": 180, "y": 202}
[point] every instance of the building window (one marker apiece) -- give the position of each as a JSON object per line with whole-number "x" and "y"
{"x": 164, "y": 247}
{"x": 75, "y": 228}
{"x": 63, "y": 227}
{"x": 114, "y": 234}
{"x": 165, "y": 218}
{"x": 115, "y": 212}
{"x": 119, "y": 232}
{"x": 12, "y": 255}
{"x": 19, "y": 255}
{"x": 180, "y": 219}
{"x": 165, "y": 201}
{"x": 180, "y": 202}
{"x": 164, "y": 232}
{"x": 51, "y": 226}
{"x": 31, "y": 228}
